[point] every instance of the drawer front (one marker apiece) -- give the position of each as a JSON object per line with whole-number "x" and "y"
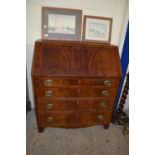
{"x": 50, "y": 82}
{"x": 74, "y": 118}
{"x": 76, "y": 92}
{"x": 57, "y": 92}
{"x": 48, "y": 119}
{"x": 96, "y": 92}
{"x": 99, "y": 82}
{"x": 69, "y": 105}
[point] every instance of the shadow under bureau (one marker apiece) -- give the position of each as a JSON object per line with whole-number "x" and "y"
{"x": 75, "y": 84}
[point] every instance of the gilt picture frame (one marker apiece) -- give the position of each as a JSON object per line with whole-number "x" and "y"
{"x": 61, "y": 24}
{"x": 97, "y": 29}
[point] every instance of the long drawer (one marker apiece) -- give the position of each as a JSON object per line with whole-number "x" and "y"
{"x": 50, "y": 82}
{"x": 45, "y": 105}
{"x": 73, "y": 118}
{"x": 75, "y": 92}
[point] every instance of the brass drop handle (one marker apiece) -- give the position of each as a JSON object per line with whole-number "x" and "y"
{"x": 77, "y": 102}
{"x": 105, "y": 93}
{"x": 49, "y": 106}
{"x": 48, "y": 82}
{"x": 107, "y": 82}
{"x": 100, "y": 117}
{"x": 103, "y": 104}
{"x": 50, "y": 119}
{"x": 79, "y": 82}
{"x": 49, "y": 93}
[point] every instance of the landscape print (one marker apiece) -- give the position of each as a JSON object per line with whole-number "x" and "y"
{"x": 97, "y": 29}
{"x": 64, "y": 24}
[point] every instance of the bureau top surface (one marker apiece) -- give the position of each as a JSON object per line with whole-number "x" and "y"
{"x": 73, "y": 59}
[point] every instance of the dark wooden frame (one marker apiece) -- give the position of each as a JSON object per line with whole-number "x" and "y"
{"x": 97, "y": 17}
{"x": 61, "y": 11}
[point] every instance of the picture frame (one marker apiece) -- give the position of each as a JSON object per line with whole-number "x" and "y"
{"x": 61, "y": 24}
{"x": 97, "y": 29}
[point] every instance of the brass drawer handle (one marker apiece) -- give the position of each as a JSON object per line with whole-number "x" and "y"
{"x": 107, "y": 82}
{"x": 49, "y": 93}
{"x": 48, "y": 82}
{"x": 49, "y": 119}
{"x": 103, "y": 104}
{"x": 105, "y": 93}
{"x": 77, "y": 102}
{"x": 100, "y": 117}
{"x": 49, "y": 106}
{"x": 79, "y": 82}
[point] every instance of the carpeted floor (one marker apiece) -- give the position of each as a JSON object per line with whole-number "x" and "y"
{"x": 93, "y": 140}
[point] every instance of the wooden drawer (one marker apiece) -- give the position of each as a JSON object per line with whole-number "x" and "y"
{"x": 50, "y": 82}
{"x": 107, "y": 82}
{"x": 56, "y": 92}
{"x": 52, "y": 118}
{"x": 75, "y": 92}
{"x": 74, "y": 118}
{"x": 96, "y": 92}
{"x": 44, "y": 105}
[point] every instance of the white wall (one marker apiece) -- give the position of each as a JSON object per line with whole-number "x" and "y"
{"x": 117, "y": 9}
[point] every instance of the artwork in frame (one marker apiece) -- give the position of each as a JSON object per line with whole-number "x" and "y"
{"x": 97, "y": 29}
{"x": 61, "y": 24}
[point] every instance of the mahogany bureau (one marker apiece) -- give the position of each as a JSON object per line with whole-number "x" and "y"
{"x": 75, "y": 84}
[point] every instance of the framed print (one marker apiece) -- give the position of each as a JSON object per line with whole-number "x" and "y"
{"x": 97, "y": 29}
{"x": 61, "y": 23}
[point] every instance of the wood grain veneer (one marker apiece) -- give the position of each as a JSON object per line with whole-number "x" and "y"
{"x": 75, "y": 84}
